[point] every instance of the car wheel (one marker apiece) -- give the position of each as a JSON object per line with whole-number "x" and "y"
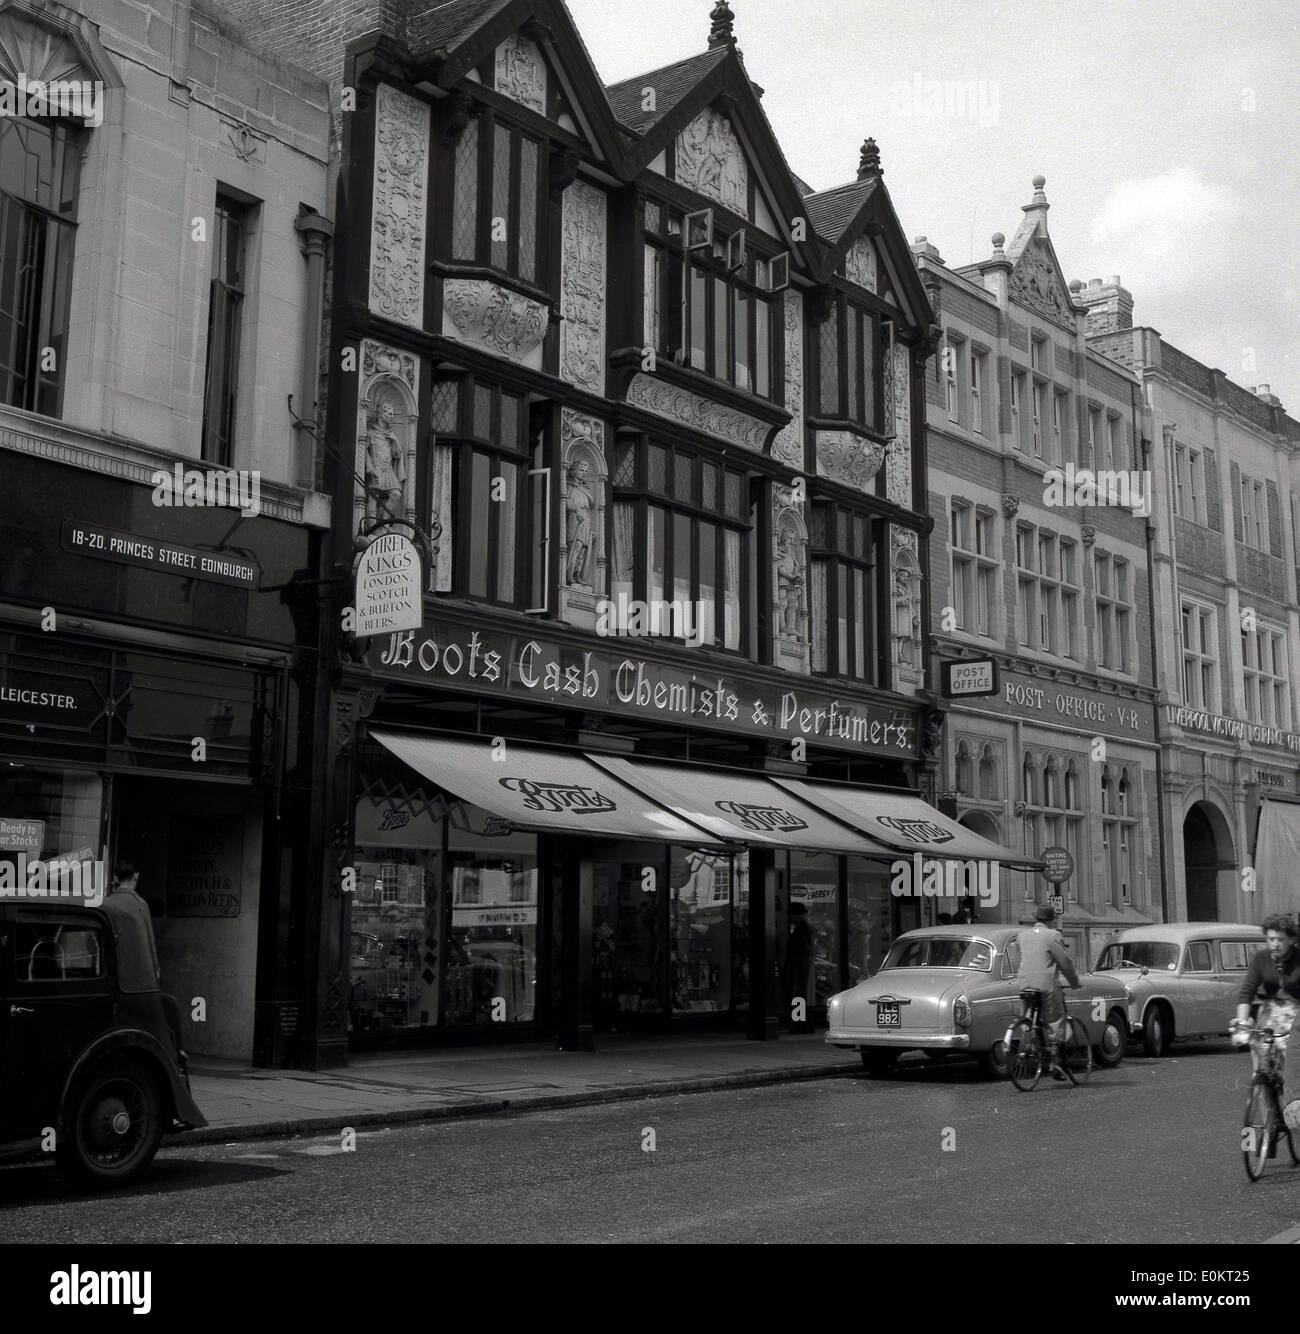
{"x": 1114, "y": 1038}
{"x": 877, "y": 1061}
{"x": 994, "y": 1061}
{"x": 1155, "y": 1032}
{"x": 112, "y": 1125}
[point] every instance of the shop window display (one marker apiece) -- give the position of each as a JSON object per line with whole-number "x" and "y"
{"x": 49, "y": 813}
{"x": 810, "y": 888}
{"x": 869, "y": 938}
{"x": 701, "y": 930}
{"x": 627, "y": 935}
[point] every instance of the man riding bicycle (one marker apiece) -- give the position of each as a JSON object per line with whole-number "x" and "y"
{"x": 1273, "y": 975}
{"x": 1043, "y": 960}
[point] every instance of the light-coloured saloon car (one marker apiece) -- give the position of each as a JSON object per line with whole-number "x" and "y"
{"x": 1182, "y": 977}
{"x": 954, "y": 989}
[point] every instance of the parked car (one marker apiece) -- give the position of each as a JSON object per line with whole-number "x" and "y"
{"x": 1182, "y": 978}
{"x": 103, "y": 1068}
{"x": 954, "y": 989}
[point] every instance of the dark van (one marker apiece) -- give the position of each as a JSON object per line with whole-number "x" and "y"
{"x": 101, "y": 1068}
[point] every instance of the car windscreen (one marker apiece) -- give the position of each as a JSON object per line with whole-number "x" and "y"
{"x": 941, "y": 952}
{"x": 1141, "y": 953}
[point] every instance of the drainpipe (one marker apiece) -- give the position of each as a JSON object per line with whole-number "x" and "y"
{"x": 1147, "y": 448}
{"x": 315, "y": 230}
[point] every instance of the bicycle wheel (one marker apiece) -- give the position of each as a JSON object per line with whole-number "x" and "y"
{"x": 1024, "y": 1055}
{"x": 1076, "y": 1054}
{"x": 1259, "y": 1129}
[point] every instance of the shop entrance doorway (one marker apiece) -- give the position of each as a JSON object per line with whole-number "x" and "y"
{"x": 1207, "y": 855}
{"x": 198, "y": 849}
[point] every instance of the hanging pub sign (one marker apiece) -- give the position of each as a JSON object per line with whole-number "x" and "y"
{"x": 389, "y": 586}
{"x": 970, "y": 676}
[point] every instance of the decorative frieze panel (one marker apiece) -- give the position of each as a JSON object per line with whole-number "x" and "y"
{"x": 790, "y": 640}
{"x": 860, "y": 264}
{"x": 788, "y": 445}
{"x": 898, "y": 468}
{"x": 478, "y": 311}
{"x": 680, "y": 405}
{"x": 711, "y": 161}
{"x": 397, "y": 229}
{"x": 582, "y": 289}
{"x": 1034, "y": 283}
{"x": 521, "y": 72}
{"x": 848, "y": 459}
{"x": 386, "y": 430}
{"x": 584, "y": 492}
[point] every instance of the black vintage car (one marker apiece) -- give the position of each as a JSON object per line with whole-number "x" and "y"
{"x": 95, "y": 1073}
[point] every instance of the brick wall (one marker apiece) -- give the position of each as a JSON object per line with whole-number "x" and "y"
{"x": 1200, "y": 549}
{"x": 1118, "y": 347}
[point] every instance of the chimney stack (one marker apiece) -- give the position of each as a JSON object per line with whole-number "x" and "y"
{"x": 1109, "y": 305}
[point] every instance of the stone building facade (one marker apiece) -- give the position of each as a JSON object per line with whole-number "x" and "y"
{"x": 1227, "y": 473}
{"x": 1038, "y": 568}
{"x": 154, "y": 705}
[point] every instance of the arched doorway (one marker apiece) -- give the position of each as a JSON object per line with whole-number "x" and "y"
{"x": 979, "y": 822}
{"x": 1207, "y": 851}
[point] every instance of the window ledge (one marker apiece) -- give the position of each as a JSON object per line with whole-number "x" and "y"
{"x": 853, "y": 427}
{"x": 442, "y": 269}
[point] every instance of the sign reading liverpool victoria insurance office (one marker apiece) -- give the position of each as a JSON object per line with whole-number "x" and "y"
{"x": 472, "y": 659}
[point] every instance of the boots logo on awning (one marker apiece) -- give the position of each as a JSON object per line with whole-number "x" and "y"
{"x": 762, "y": 817}
{"x": 919, "y": 831}
{"x": 570, "y": 797}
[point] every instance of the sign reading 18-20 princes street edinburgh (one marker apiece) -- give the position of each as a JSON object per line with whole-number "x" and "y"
{"x": 623, "y": 681}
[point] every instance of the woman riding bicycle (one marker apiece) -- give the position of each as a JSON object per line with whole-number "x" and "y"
{"x": 1274, "y": 976}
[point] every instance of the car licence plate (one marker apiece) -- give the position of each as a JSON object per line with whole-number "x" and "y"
{"x": 887, "y": 1015}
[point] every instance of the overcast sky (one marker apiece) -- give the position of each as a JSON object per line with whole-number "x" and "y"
{"x": 1168, "y": 131}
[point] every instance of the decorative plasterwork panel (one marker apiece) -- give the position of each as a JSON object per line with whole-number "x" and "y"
{"x": 582, "y": 290}
{"x": 788, "y": 445}
{"x": 521, "y": 72}
{"x": 847, "y": 458}
{"x": 1034, "y": 283}
{"x": 789, "y": 582}
{"x": 680, "y": 405}
{"x": 906, "y": 629}
{"x": 710, "y": 160}
{"x": 386, "y": 428}
{"x": 397, "y": 229}
{"x": 860, "y": 264}
{"x": 493, "y": 317}
{"x": 898, "y": 466}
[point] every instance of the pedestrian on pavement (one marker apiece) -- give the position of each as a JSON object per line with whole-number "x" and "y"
{"x": 798, "y": 958}
{"x": 136, "y": 949}
{"x": 1043, "y": 961}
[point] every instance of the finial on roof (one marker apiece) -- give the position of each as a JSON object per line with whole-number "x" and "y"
{"x": 998, "y": 242}
{"x": 721, "y": 32}
{"x": 1039, "y": 196}
{"x": 869, "y": 161}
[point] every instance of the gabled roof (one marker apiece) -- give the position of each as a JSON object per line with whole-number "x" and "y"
{"x": 832, "y": 212}
{"x": 670, "y": 83}
{"x": 441, "y": 25}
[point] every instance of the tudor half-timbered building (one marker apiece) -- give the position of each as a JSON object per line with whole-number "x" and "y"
{"x": 657, "y": 410}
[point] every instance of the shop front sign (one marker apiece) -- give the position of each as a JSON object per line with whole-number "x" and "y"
{"x": 23, "y": 836}
{"x": 978, "y": 676}
{"x": 1235, "y": 729}
{"x": 1080, "y": 708}
{"x": 516, "y": 666}
{"x": 203, "y": 861}
{"x": 388, "y": 594}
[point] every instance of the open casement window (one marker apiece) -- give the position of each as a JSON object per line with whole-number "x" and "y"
{"x": 681, "y": 543}
{"x": 497, "y": 196}
{"x": 845, "y": 594}
{"x": 39, "y": 171}
{"x": 709, "y": 306}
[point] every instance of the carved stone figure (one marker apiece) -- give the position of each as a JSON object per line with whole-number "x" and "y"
{"x": 710, "y": 160}
{"x": 790, "y": 584}
{"x": 579, "y": 508}
{"x": 385, "y": 467}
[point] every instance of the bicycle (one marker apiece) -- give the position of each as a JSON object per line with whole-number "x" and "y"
{"x": 1029, "y": 1052}
{"x": 1265, "y": 1122}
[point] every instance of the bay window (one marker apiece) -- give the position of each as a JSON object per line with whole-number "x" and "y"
{"x": 497, "y": 184}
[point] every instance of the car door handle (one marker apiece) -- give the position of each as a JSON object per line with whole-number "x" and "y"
{"x": 16, "y": 1010}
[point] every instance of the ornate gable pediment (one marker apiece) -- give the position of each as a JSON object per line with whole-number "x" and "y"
{"x": 1036, "y": 283}
{"x": 523, "y": 73}
{"x": 711, "y": 161}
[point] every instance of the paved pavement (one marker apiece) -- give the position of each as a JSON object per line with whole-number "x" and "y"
{"x": 391, "y": 1087}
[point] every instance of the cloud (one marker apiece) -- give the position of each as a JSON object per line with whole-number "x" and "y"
{"x": 1170, "y": 221}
